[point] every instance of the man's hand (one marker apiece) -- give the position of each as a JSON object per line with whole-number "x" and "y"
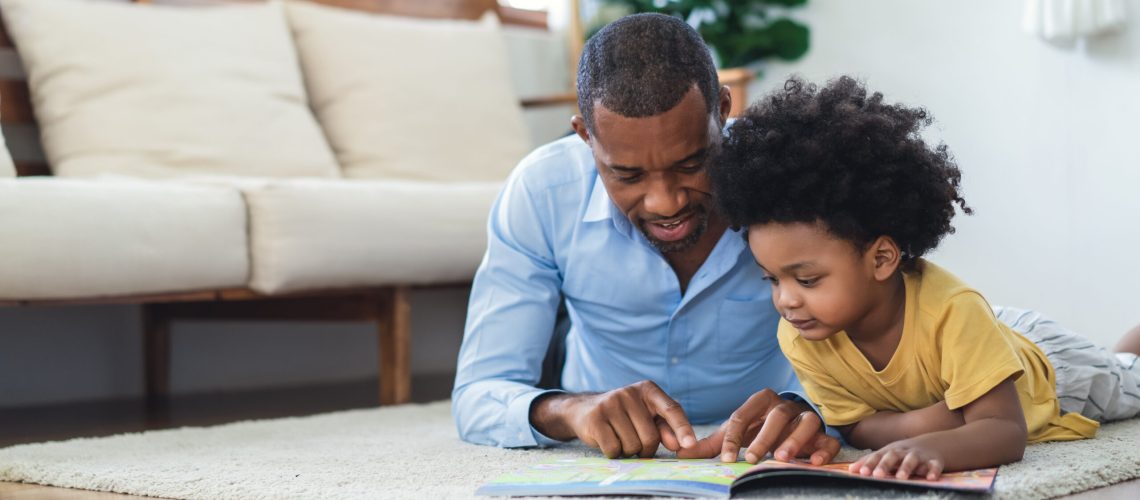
{"x": 901, "y": 459}
{"x": 763, "y": 422}
{"x": 632, "y": 420}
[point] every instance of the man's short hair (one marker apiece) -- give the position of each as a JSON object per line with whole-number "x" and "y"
{"x": 643, "y": 65}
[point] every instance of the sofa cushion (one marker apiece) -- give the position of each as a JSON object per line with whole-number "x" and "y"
{"x": 160, "y": 91}
{"x": 411, "y": 99}
{"x": 313, "y": 234}
{"x": 75, "y": 238}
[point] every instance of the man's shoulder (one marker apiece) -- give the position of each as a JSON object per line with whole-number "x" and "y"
{"x": 565, "y": 161}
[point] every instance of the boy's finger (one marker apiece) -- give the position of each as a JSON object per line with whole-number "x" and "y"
{"x": 888, "y": 464}
{"x": 870, "y": 462}
{"x": 935, "y": 471}
{"x": 907, "y": 466}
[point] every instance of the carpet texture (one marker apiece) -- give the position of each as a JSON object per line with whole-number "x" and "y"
{"x": 412, "y": 451}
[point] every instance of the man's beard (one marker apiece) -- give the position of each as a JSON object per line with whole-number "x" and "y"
{"x": 700, "y": 217}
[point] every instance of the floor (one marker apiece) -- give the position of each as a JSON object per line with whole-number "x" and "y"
{"x": 113, "y": 417}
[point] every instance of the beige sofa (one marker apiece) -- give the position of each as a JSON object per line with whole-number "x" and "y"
{"x": 265, "y": 160}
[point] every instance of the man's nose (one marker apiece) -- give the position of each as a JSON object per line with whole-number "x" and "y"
{"x": 665, "y": 198}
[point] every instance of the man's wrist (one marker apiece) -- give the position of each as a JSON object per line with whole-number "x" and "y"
{"x": 548, "y": 415}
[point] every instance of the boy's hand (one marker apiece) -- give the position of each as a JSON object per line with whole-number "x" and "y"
{"x": 901, "y": 459}
{"x": 766, "y": 423}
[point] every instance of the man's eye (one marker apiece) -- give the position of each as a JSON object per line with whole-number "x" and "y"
{"x": 629, "y": 179}
{"x": 692, "y": 169}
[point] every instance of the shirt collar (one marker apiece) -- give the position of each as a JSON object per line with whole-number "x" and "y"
{"x": 601, "y": 207}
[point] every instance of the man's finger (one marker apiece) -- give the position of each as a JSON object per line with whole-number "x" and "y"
{"x": 626, "y": 433}
{"x": 667, "y": 437}
{"x": 707, "y": 447}
{"x": 775, "y": 423}
{"x": 669, "y": 409}
{"x": 646, "y": 428}
{"x": 807, "y": 426}
{"x": 826, "y": 447}
{"x": 607, "y": 441}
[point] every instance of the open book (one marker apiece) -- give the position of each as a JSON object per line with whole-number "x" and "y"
{"x": 698, "y": 477}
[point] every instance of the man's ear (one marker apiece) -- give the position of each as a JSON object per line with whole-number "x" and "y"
{"x": 884, "y": 257}
{"x": 725, "y": 104}
{"x": 579, "y": 125}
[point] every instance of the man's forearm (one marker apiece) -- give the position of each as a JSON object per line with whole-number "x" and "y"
{"x": 886, "y": 427}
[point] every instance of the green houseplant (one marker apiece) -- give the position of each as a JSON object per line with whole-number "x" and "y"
{"x": 739, "y": 32}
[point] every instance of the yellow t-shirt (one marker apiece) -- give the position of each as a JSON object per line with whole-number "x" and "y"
{"x": 952, "y": 349}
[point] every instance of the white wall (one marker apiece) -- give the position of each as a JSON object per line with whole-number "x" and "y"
{"x": 1046, "y": 137}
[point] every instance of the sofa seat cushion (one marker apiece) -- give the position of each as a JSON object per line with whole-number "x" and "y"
{"x": 159, "y": 91}
{"x": 316, "y": 234}
{"x": 72, "y": 238}
{"x": 411, "y": 99}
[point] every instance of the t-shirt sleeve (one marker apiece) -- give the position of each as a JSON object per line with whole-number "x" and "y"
{"x": 836, "y": 404}
{"x": 976, "y": 353}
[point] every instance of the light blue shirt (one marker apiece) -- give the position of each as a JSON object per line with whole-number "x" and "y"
{"x": 554, "y": 232}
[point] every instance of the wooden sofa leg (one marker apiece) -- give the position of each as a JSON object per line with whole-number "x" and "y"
{"x": 394, "y": 323}
{"x": 156, "y": 349}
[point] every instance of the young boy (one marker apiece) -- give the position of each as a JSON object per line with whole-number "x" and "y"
{"x": 841, "y": 198}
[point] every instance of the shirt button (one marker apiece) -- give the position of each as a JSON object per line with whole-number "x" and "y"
{"x": 675, "y": 360}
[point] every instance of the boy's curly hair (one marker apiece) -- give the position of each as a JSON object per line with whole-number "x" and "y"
{"x": 840, "y": 157}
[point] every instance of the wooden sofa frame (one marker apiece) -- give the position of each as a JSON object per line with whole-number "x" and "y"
{"x": 387, "y": 307}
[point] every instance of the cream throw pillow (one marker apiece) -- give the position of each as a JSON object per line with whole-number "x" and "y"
{"x": 412, "y": 99}
{"x": 161, "y": 91}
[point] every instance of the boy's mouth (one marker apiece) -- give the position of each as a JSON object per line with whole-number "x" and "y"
{"x": 802, "y": 324}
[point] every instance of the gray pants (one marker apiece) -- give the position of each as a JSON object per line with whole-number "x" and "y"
{"x": 1091, "y": 380}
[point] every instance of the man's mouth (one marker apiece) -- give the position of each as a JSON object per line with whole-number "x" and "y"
{"x": 671, "y": 229}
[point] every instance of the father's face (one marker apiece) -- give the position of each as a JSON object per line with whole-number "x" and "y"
{"x": 654, "y": 168}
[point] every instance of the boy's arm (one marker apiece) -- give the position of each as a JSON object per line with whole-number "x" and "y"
{"x": 994, "y": 433}
{"x": 886, "y": 427}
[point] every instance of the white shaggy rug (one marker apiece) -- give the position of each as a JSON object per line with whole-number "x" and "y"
{"x": 412, "y": 451}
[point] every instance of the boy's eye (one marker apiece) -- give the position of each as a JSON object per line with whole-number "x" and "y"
{"x": 770, "y": 278}
{"x": 807, "y": 281}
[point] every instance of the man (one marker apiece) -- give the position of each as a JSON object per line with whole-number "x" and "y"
{"x": 670, "y": 321}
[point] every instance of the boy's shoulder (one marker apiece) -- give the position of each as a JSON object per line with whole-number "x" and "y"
{"x": 937, "y": 289}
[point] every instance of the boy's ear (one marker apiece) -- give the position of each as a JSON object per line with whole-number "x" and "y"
{"x": 884, "y": 257}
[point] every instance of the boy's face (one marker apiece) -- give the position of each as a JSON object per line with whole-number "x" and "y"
{"x": 820, "y": 283}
